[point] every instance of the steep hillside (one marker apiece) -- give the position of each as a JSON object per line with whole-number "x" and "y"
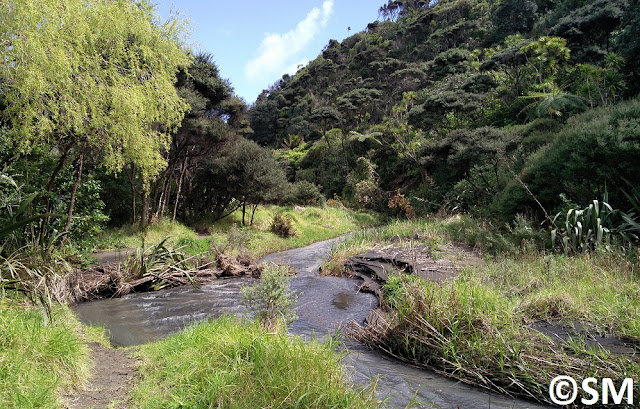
{"x": 447, "y": 100}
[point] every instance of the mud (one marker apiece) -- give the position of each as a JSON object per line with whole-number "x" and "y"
{"x": 111, "y": 377}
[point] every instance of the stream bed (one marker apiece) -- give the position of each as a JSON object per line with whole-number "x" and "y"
{"x": 324, "y": 303}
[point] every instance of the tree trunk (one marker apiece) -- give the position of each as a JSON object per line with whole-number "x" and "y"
{"x": 145, "y": 209}
{"x": 253, "y": 212}
{"x": 179, "y": 189}
{"x": 72, "y": 199}
{"x": 164, "y": 195}
{"x": 52, "y": 178}
{"x": 132, "y": 181}
{"x": 324, "y": 135}
{"x": 244, "y": 206}
{"x": 154, "y": 203}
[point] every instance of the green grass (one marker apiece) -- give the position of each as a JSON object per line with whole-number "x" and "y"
{"x": 130, "y": 236}
{"x": 37, "y": 361}
{"x": 476, "y": 327}
{"x": 311, "y": 224}
{"x": 228, "y": 363}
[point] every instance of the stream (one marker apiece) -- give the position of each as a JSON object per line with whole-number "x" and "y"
{"x": 324, "y": 303}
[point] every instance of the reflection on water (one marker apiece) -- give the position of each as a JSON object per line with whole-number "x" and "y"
{"x": 343, "y": 300}
{"x": 324, "y": 303}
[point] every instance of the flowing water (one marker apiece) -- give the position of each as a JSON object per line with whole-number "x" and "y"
{"x": 324, "y": 303}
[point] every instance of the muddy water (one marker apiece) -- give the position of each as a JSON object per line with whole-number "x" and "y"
{"x": 324, "y": 303}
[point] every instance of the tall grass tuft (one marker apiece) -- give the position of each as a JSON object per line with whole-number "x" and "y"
{"x": 39, "y": 361}
{"x": 35, "y": 275}
{"x": 228, "y": 363}
{"x": 472, "y": 332}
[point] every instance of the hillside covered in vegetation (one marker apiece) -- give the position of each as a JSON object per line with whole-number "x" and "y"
{"x": 488, "y": 107}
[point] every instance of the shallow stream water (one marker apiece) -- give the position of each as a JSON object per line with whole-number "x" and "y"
{"x": 324, "y": 303}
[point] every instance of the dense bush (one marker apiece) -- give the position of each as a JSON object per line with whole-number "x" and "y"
{"x": 303, "y": 193}
{"x": 282, "y": 225}
{"x": 594, "y": 154}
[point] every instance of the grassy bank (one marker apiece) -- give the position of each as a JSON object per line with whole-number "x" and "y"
{"x": 223, "y": 363}
{"x": 480, "y": 326}
{"x": 231, "y": 364}
{"x": 311, "y": 224}
{"x": 38, "y": 362}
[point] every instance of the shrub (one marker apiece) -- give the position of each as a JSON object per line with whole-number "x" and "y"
{"x": 303, "y": 193}
{"x": 335, "y": 202}
{"x": 271, "y": 300}
{"x": 282, "y": 225}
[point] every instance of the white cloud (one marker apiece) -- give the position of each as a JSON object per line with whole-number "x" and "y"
{"x": 279, "y": 53}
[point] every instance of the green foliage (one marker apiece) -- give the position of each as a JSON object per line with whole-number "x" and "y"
{"x": 246, "y": 175}
{"x": 627, "y": 44}
{"x": 233, "y": 364}
{"x": 303, "y": 193}
{"x": 591, "y": 155}
{"x": 512, "y": 17}
{"x": 111, "y": 93}
{"x": 363, "y": 181}
{"x": 554, "y": 105}
{"x": 585, "y": 230}
{"x": 36, "y": 276}
{"x": 271, "y": 301}
{"x": 293, "y": 141}
{"x": 16, "y": 219}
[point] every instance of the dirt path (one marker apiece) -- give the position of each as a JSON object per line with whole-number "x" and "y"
{"x": 111, "y": 377}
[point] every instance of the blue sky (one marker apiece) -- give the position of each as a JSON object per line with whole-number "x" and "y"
{"x": 255, "y": 42}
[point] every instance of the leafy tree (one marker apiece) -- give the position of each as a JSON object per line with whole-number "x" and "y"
{"x": 359, "y": 102}
{"x": 545, "y": 57}
{"x": 601, "y": 85}
{"x": 246, "y": 176}
{"x": 513, "y": 16}
{"x": 90, "y": 78}
{"x": 627, "y": 43}
{"x": 214, "y": 115}
{"x": 263, "y": 117}
{"x": 326, "y": 117}
{"x": 587, "y": 29}
{"x": 363, "y": 181}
